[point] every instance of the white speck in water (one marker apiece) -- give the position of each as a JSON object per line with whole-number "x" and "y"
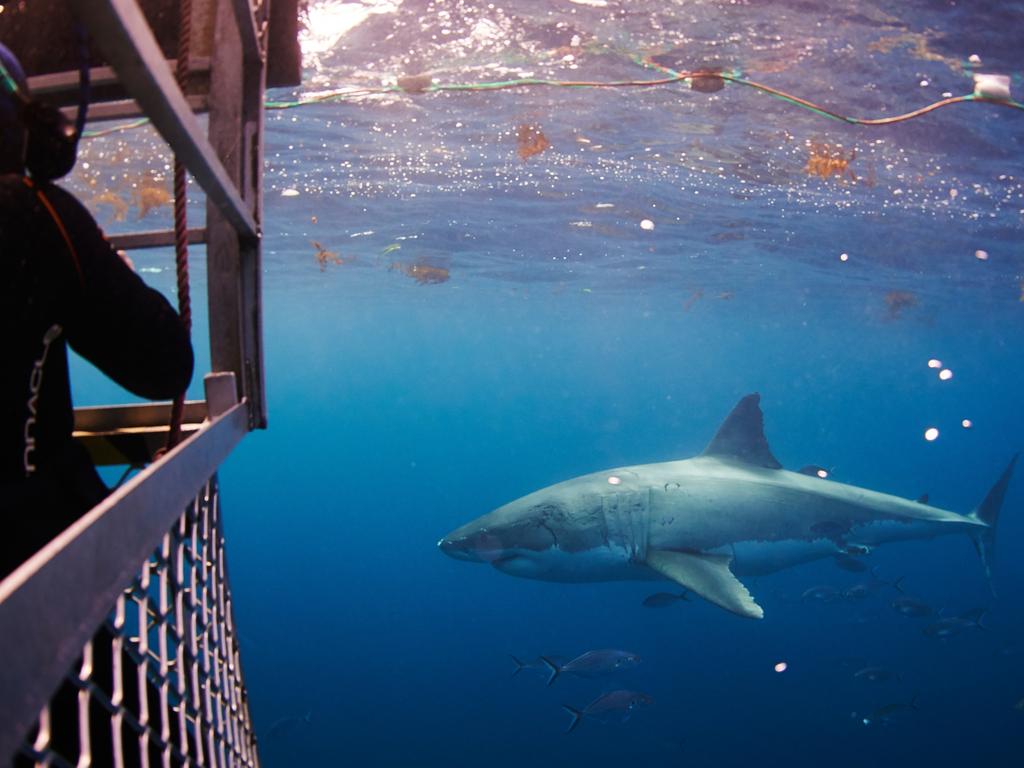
{"x": 647, "y": 224}
{"x": 934, "y": 363}
{"x": 931, "y": 434}
{"x": 614, "y": 480}
{"x": 981, "y": 255}
{"x": 844, "y": 257}
{"x": 289, "y": 192}
{"x": 966, "y": 423}
{"x": 945, "y": 374}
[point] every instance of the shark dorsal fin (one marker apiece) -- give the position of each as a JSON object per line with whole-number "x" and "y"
{"x": 741, "y": 436}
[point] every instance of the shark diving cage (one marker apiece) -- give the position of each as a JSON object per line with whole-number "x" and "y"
{"x": 117, "y": 638}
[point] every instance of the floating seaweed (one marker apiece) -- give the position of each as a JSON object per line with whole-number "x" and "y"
{"x": 150, "y": 195}
{"x": 115, "y": 201}
{"x": 424, "y": 274}
{"x": 917, "y": 45}
{"x": 531, "y": 141}
{"x": 897, "y": 301}
{"x": 693, "y": 298}
{"x": 826, "y": 160}
{"x": 325, "y": 257}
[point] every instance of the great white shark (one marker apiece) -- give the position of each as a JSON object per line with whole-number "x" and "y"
{"x": 707, "y": 521}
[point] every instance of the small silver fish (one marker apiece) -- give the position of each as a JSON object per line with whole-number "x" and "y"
{"x": 909, "y": 606}
{"x": 663, "y": 599}
{"x": 824, "y": 594}
{"x": 954, "y": 625}
{"x": 286, "y": 726}
{"x": 886, "y": 711}
{"x": 877, "y": 674}
{"x": 536, "y": 665}
{"x": 616, "y": 706}
{"x": 593, "y": 663}
{"x": 871, "y": 587}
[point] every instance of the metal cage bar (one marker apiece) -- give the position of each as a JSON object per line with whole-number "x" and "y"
{"x": 227, "y": 163}
{"x": 128, "y": 43}
{"x": 51, "y": 603}
{"x": 159, "y": 682}
{"x": 188, "y": 705}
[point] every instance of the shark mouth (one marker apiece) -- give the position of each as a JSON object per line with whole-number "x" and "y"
{"x": 480, "y": 547}
{"x": 504, "y": 560}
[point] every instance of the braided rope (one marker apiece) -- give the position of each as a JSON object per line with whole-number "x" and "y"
{"x": 180, "y": 218}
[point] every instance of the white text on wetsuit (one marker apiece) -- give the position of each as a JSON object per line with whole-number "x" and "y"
{"x": 35, "y": 383}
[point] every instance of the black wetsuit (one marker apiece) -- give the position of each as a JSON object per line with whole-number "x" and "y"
{"x": 61, "y": 282}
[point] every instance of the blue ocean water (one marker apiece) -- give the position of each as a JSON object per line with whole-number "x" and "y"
{"x": 564, "y": 335}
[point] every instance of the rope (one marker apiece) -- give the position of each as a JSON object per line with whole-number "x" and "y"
{"x": 84, "y": 83}
{"x": 180, "y": 219}
{"x": 673, "y": 77}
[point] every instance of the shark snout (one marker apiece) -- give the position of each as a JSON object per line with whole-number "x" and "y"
{"x": 477, "y": 546}
{"x": 456, "y": 548}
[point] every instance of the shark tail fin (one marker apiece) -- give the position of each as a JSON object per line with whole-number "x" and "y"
{"x": 555, "y": 669}
{"x": 577, "y": 717}
{"x": 988, "y": 513}
{"x": 518, "y": 663}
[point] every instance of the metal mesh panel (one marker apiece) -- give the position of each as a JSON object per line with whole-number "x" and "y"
{"x": 160, "y": 683}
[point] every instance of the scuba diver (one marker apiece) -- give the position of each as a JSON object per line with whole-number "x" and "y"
{"x": 62, "y": 284}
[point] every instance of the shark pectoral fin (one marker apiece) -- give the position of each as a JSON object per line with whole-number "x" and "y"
{"x": 707, "y": 575}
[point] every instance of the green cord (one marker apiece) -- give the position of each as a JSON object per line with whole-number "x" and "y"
{"x": 732, "y": 76}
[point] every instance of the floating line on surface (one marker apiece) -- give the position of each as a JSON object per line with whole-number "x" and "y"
{"x": 706, "y": 77}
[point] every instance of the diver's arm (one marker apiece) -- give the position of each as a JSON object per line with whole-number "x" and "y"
{"x": 117, "y": 322}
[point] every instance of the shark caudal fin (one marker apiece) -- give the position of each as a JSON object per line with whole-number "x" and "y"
{"x": 988, "y": 513}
